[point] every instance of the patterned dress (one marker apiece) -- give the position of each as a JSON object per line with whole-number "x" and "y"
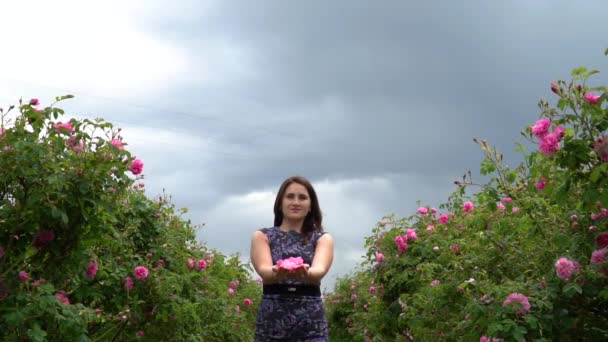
{"x": 285, "y": 317}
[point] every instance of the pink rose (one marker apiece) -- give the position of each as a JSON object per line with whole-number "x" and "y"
{"x": 23, "y": 276}
{"x": 137, "y": 166}
{"x": 400, "y": 243}
{"x": 91, "y": 270}
{"x": 454, "y": 247}
{"x": 290, "y": 264}
{"x": 423, "y": 210}
{"x": 600, "y": 146}
{"x": 541, "y": 127}
{"x": 42, "y": 237}
{"x": 75, "y": 144}
{"x": 159, "y": 263}
{"x": 117, "y": 143}
{"x": 201, "y": 264}
{"x": 34, "y": 102}
{"x": 500, "y": 206}
{"x": 232, "y": 284}
{"x": 140, "y": 272}
{"x": 62, "y": 297}
{"x": 410, "y": 234}
{"x": 230, "y": 291}
{"x": 435, "y": 282}
{"x": 540, "y": 184}
{"x": 128, "y": 283}
{"x": 371, "y": 289}
{"x": 60, "y": 127}
{"x": 598, "y": 256}
{"x": 247, "y": 301}
{"x": 190, "y": 263}
{"x": 565, "y": 268}
{"x": 549, "y": 144}
{"x": 591, "y": 98}
{"x": 433, "y": 210}
{"x": 430, "y": 227}
{"x": 379, "y": 257}
{"x": 523, "y": 304}
{"x": 443, "y": 218}
{"x": 506, "y": 200}
{"x": 515, "y": 209}
{"x": 602, "y": 240}
{"x": 467, "y": 206}
{"x": 484, "y": 338}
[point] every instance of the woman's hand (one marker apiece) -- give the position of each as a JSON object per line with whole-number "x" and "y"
{"x": 300, "y": 273}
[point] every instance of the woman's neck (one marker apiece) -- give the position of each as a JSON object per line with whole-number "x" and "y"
{"x": 294, "y": 226}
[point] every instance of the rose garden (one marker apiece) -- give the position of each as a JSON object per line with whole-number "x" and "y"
{"x": 86, "y": 256}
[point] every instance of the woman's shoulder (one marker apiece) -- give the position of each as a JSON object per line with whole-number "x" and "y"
{"x": 267, "y": 230}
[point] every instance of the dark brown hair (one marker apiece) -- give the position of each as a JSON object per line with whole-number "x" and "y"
{"x": 313, "y": 220}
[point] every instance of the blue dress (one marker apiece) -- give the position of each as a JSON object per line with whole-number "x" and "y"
{"x": 287, "y": 317}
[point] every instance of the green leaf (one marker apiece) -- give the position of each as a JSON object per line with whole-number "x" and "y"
{"x": 36, "y": 333}
{"x": 606, "y": 52}
{"x": 578, "y": 71}
{"x": 64, "y": 97}
{"x": 571, "y": 289}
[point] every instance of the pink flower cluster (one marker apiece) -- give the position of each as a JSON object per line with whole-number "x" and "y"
{"x": 401, "y": 244}
{"x": 290, "y": 264}
{"x": 523, "y": 304}
{"x": 540, "y": 183}
{"x": 379, "y": 257}
{"x": 91, "y": 270}
{"x": 128, "y": 283}
{"x": 42, "y": 237}
{"x": 468, "y": 206}
{"x": 61, "y": 127}
{"x": 598, "y": 256}
{"x": 602, "y": 214}
{"x": 75, "y": 144}
{"x": 602, "y": 240}
{"x": 117, "y": 143}
{"x": 62, "y": 297}
{"x": 200, "y": 264}
{"x": 548, "y": 143}
{"x": 600, "y": 146}
{"x": 566, "y": 268}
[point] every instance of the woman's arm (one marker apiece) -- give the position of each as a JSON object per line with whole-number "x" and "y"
{"x": 324, "y": 255}
{"x": 261, "y": 257}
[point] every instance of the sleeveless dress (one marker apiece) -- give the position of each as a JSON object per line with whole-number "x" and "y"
{"x": 286, "y": 317}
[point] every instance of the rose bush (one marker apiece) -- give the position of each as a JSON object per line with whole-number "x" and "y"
{"x": 85, "y": 255}
{"x": 520, "y": 257}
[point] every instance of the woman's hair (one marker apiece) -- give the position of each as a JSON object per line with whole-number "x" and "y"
{"x": 313, "y": 220}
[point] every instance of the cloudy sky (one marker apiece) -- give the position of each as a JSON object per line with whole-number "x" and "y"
{"x": 376, "y": 102}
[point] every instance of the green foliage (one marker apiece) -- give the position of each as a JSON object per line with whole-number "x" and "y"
{"x": 452, "y": 281}
{"x": 69, "y": 199}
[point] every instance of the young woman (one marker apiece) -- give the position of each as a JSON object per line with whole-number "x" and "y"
{"x": 291, "y": 307}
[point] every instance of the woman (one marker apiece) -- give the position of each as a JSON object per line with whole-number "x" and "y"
{"x": 291, "y": 307}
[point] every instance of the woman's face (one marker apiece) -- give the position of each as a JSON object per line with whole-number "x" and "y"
{"x": 296, "y": 202}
